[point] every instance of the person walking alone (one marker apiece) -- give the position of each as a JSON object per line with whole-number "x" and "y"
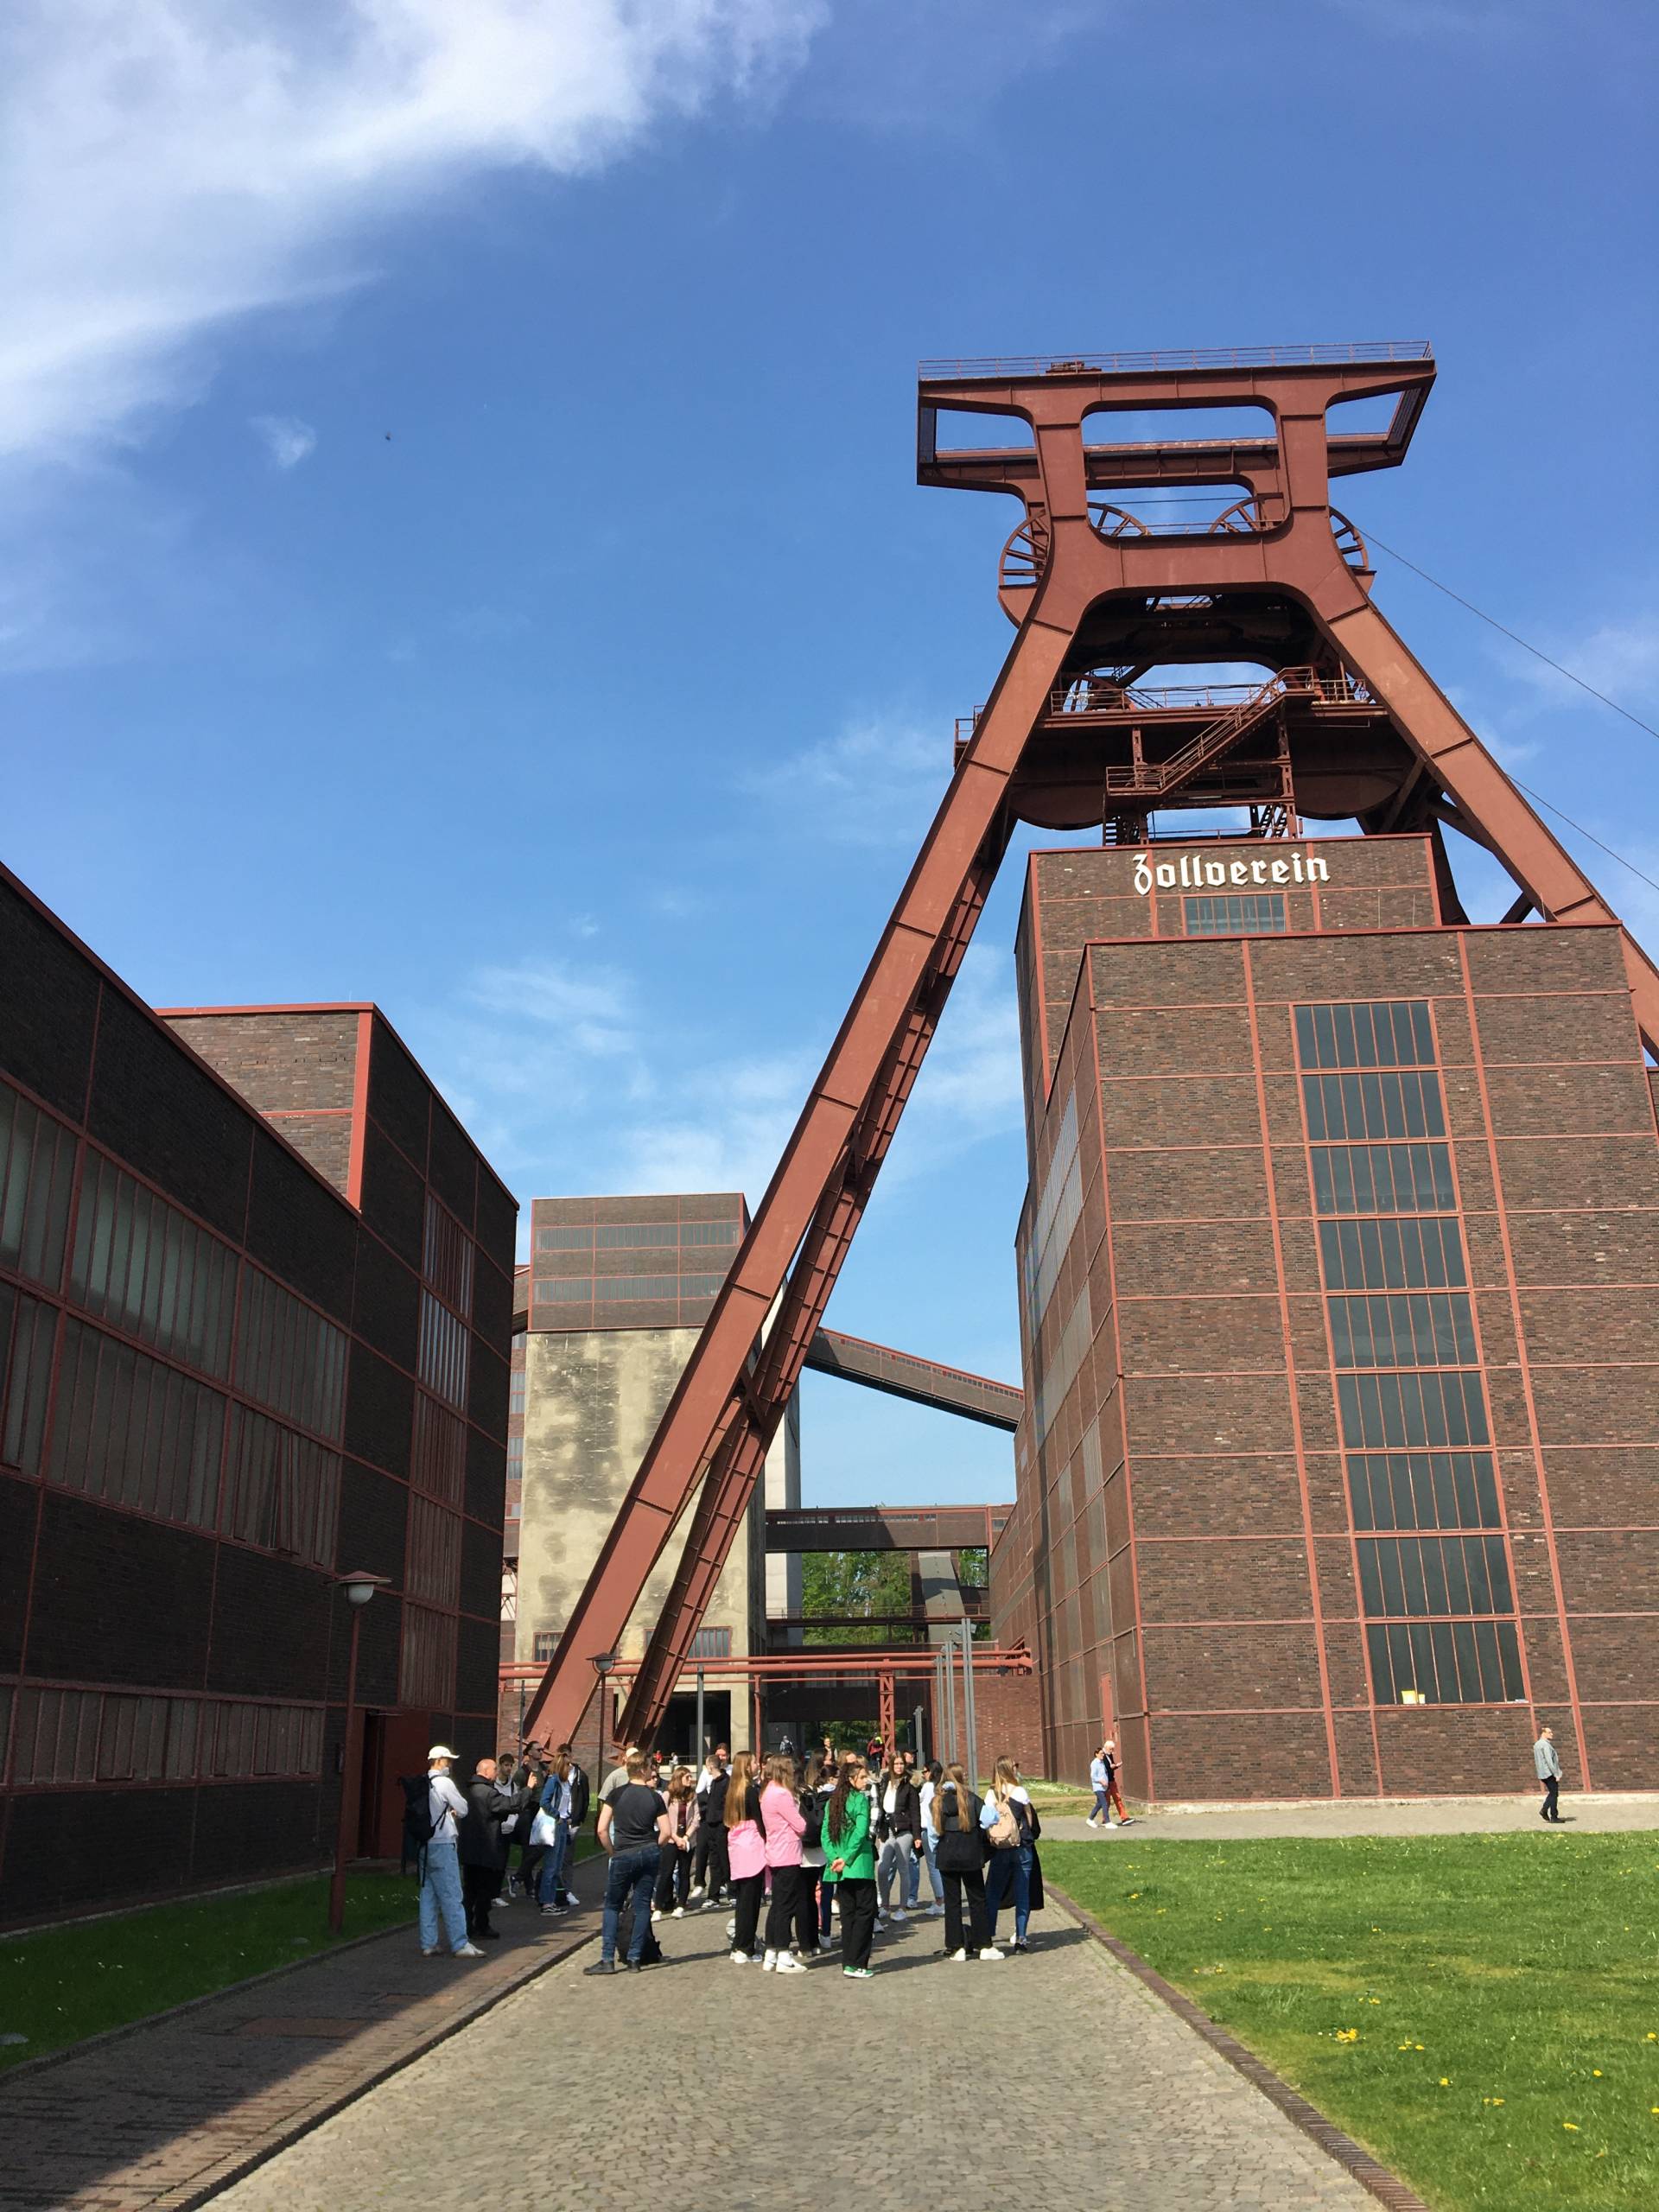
{"x": 1547, "y": 1764}
{"x": 632, "y": 1829}
{"x": 851, "y": 1866}
{"x": 960, "y": 1847}
{"x": 440, "y": 1893}
{"x": 785, "y": 1824}
{"x": 746, "y": 1853}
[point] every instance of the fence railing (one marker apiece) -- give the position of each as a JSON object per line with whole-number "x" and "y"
{"x": 1355, "y": 354}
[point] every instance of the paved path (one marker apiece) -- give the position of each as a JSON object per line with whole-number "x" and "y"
{"x": 157, "y": 2117}
{"x": 1601, "y": 1813}
{"x": 1052, "y": 2064}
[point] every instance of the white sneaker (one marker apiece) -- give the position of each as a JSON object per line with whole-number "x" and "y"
{"x": 467, "y": 1951}
{"x": 990, "y": 1951}
{"x": 899, "y": 1914}
{"x": 958, "y": 1957}
{"x": 788, "y": 1965}
{"x": 654, "y": 1913}
{"x": 695, "y": 1895}
{"x": 936, "y": 1912}
{"x": 679, "y": 1912}
{"x": 739, "y": 1958}
{"x": 504, "y": 1901}
{"x": 769, "y": 1962}
{"x": 428, "y": 1950}
{"x": 731, "y": 1929}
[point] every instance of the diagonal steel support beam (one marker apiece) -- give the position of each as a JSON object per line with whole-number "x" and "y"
{"x": 805, "y": 1222}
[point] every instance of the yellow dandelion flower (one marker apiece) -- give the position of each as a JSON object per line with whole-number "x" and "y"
{"x": 1445, "y": 2080}
{"x": 1650, "y": 2037}
{"x": 1571, "y": 2125}
{"x": 1416, "y": 2046}
{"x": 1596, "y": 2071}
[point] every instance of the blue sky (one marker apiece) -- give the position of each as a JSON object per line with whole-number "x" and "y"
{"x": 461, "y": 545}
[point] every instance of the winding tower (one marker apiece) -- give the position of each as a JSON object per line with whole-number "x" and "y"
{"x": 1259, "y": 570}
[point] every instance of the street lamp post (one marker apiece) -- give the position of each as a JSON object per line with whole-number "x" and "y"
{"x": 602, "y": 1663}
{"x": 359, "y": 1588}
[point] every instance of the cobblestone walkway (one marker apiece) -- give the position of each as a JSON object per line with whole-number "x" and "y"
{"x": 1060, "y": 2068}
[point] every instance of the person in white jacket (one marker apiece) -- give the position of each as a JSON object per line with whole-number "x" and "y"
{"x": 441, "y": 1898}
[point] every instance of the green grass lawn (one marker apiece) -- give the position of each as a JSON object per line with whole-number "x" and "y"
{"x": 65, "y": 1983}
{"x": 1482, "y": 2011}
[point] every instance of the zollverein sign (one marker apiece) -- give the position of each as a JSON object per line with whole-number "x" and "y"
{"x": 1193, "y": 874}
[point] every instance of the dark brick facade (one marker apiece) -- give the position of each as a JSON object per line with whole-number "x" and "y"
{"x": 215, "y": 1329}
{"x": 1184, "y": 1558}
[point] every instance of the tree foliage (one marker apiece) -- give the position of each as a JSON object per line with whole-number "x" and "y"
{"x": 853, "y": 1586}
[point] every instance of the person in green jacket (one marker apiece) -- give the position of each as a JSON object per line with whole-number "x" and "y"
{"x": 849, "y": 1861}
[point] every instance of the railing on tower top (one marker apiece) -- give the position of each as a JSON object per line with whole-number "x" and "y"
{"x": 1099, "y": 696}
{"x": 1178, "y": 357}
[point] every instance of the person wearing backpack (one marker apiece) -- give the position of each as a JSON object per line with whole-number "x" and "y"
{"x": 959, "y": 1848}
{"x": 432, "y": 1821}
{"x": 1010, "y": 1824}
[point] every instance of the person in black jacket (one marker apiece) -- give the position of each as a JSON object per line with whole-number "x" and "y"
{"x": 582, "y": 1797}
{"x": 959, "y": 1852}
{"x": 491, "y": 1812}
{"x": 898, "y": 1824}
{"x": 711, "y": 1868}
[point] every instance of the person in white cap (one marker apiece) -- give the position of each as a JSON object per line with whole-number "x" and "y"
{"x": 440, "y": 1864}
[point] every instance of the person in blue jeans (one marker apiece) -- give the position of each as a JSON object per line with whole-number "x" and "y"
{"x": 441, "y": 1898}
{"x": 556, "y": 1804}
{"x": 1008, "y": 1806}
{"x": 632, "y": 1830}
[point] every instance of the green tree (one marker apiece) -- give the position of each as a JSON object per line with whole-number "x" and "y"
{"x": 849, "y": 1588}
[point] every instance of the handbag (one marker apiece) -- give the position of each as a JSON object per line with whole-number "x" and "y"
{"x": 543, "y": 1831}
{"x": 1005, "y": 1828}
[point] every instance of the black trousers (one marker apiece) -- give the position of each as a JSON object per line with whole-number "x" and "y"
{"x": 806, "y": 1907}
{"x": 972, "y": 1881}
{"x": 1551, "y": 1808}
{"x": 673, "y": 1878}
{"x": 713, "y": 1867}
{"x": 857, "y": 1921}
{"x": 782, "y": 1911}
{"x": 745, "y": 1897}
{"x": 479, "y": 1886}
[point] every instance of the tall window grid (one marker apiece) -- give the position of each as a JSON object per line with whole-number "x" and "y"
{"x": 1435, "y": 1588}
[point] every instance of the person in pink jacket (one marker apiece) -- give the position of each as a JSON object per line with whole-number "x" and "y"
{"x": 785, "y": 1824}
{"x": 745, "y": 1854}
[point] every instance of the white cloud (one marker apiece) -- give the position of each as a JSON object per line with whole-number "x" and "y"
{"x": 285, "y": 438}
{"x": 877, "y": 782}
{"x": 171, "y": 165}
{"x": 591, "y": 1010}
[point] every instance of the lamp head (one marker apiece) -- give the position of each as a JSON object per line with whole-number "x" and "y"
{"x": 361, "y": 1588}
{"x": 602, "y": 1662}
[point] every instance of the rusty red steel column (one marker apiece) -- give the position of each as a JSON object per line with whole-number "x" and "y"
{"x": 1070, "y": 572}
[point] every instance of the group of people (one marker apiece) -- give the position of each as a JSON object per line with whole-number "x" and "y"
{"x": 462, "y": 1844}
{"x": 807, "y": 1841}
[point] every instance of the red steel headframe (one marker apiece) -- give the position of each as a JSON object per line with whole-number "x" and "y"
{"x": 711, "y": 1443}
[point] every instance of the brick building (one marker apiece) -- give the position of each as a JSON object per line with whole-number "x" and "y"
{"x": 618, "y": 1288}
{"x": 253, "y": 1326}
{"x": 1340, "y": 1470}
